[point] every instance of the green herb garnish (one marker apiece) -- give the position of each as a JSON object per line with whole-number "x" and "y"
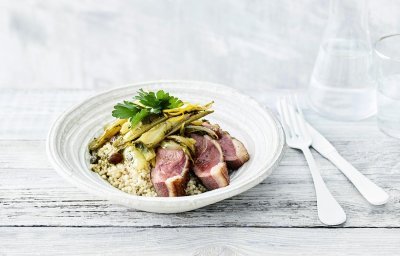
{"x": 146, "y": 104}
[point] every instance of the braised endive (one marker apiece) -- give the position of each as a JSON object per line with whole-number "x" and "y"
{"x": 148, "y": 119}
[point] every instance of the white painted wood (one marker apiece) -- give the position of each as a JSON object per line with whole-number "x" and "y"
{"x": 34, "y": 110}
{"x": 198, "y": 241}
{"x": 39, "y": 209}
{"x": 371, "y": 192}
{"x": 286, "y": 199}
{"x": 27, "y": 114}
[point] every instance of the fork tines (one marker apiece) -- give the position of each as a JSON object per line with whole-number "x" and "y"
{"x": 292, "y": 117}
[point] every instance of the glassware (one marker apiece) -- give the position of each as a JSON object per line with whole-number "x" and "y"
{"x": 387, "y": 51}
{"x": 342, "y": 84}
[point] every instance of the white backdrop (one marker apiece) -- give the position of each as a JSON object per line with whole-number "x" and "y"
{"x": 99, "y": 44}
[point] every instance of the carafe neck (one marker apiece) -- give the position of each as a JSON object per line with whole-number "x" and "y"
{"x": 349, "y": 14}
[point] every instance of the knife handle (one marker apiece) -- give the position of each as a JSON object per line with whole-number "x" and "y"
{"x": 374, "y": 194}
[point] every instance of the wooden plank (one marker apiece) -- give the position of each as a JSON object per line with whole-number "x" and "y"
{"x": 32, "y": 111}
{"x": 27, "y": 154}
{"x": 372, "y": 156}
{"x": 199, "y": 241}
{"x": 32, "y": 194}
{"x": 28, "y": 114}
{"x": 284, "y": 199}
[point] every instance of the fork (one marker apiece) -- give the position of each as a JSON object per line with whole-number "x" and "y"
{"x": 297, "y": 136}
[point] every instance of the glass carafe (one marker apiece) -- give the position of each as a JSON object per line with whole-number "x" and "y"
{"x": 342, "y": 84}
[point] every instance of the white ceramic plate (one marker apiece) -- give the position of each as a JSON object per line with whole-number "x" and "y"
{"x": 243, "y": 117}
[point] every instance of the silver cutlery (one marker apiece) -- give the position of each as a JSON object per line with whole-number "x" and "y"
{"x": 297, "y": 136}
{"x": 371, "y": 192}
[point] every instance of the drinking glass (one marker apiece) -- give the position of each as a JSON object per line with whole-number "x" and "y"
{"x": 387, "y": 51}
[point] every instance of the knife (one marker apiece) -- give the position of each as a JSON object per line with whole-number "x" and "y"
{"x": 374, "y": 194}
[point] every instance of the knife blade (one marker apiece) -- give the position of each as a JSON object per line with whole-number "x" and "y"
{"x": 371, "y": 192}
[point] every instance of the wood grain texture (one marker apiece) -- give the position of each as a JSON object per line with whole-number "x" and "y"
{"x": 284, "y": 199}
{"x": 279, "y": 215}
{"x": 199, "y": 241}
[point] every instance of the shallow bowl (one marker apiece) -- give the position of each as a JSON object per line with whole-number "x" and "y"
{"x": 237, "y": 113}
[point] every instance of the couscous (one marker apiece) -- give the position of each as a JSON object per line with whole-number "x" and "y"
{"x": 129, "y": 179}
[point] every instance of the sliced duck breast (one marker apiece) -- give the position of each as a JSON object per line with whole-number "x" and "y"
{"x": 171, "y": 172}
{"x": 209, "y": 165}
{"x": 235, "y": 153}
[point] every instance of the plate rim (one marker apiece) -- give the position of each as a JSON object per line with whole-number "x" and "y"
{"x": 213, "y": 198}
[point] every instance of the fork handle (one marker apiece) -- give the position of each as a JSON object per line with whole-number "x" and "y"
{"x": 329, "y": 210}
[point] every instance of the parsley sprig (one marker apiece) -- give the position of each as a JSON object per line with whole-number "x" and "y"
{"x": 145, "y": 105}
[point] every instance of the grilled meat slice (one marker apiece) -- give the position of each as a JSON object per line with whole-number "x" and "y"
{"x": 209, "y": 165}
{"x": 171, "y": 172}
{"x": 235, "y": 153}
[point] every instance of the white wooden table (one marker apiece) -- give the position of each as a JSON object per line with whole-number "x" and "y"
{"x": 40, "y": 213}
